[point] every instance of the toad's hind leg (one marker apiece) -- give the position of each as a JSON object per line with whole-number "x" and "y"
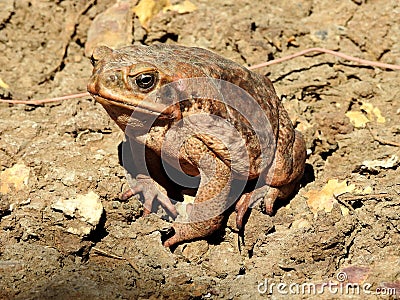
{"x": 281, "y": 181}
{"x": 205, "y": 216}
{"x": 268, "y": 194}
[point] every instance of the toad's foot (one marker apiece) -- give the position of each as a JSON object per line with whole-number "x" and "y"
{"x": 150, "y": 191}
{"x": 189, "y": 231}
{"x": 266, "y": 193}
{"x": 269, "y": 194}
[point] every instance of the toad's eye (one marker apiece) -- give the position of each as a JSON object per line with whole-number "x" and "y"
{"x": 145, "y": 81}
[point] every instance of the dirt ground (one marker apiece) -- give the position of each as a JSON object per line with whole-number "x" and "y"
{"x": 67, "y": 150}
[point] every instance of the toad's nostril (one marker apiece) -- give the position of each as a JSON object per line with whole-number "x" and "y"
{"x": 91, "y": 86}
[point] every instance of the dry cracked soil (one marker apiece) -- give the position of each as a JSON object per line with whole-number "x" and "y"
{"x": 58, "y": 153}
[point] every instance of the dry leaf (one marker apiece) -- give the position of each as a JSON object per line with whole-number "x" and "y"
{"x": 367, "y": 190}
{"x": 373, "y": 165}
{"x": 325, "y": 199}
{"x": 147, "y": 9}
{"x": 15, "y": 177}
{"x": 182, "y": 8}
{"x": 363, "y": 191}
{"x": 345, "y": 211}
{"x": 4, "y": 85}
{"x": 373, "y": 112}
{"x": 357, "y": 118}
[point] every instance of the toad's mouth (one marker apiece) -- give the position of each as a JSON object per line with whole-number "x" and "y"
{"x": 133, "y": 104}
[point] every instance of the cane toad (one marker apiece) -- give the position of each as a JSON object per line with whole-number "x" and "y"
{"x": 206, "y": 116}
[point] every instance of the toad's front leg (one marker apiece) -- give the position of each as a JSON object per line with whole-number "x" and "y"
{"x": 205, "y": 216}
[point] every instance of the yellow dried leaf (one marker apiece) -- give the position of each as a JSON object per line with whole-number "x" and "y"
{"x": 147, "y": 9}
{"x": 4, "y": 85}
{"x": 367, "y": 190}
{"x": 325, "y": 198}
{"x": 357, "y": 118}
{"x": 367, "y": 107}
{"x": 379, "y": 117}
{"x": 373, "y": 112}
{"x": 363, "y": 191}
{"x": 345, "y": 210}
{"x": 182, "y": 8}
{"x": 15, "y": 177}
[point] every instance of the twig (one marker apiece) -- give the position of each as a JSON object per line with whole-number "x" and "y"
{"x": 48, "y": 100}
{"x": 129, "y": 260}
{"x": 268, "y": 63}
{"x": 344, "y": 203}
{"x": 334, "y": 53}
{"x": 363, "y": 197}
{"x": 382, "y": 141}
{"x": 345, "y": 200}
